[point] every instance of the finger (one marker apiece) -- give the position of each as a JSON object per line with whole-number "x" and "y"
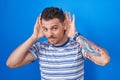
{"x": 40, "y": 26}
{"x": 69, "y": 17}
{"x": 37, "y": 22}
{"x": 39, "y": 19}
{"x": 66, "y": 15}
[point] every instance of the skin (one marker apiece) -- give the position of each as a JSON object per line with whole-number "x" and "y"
{"x": 93, "y": 52}
{"x": 54, "y": 31}
{"x": 57, "y": 34}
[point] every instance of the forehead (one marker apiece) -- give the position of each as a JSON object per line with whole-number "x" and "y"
{"x": 51, "y": 22}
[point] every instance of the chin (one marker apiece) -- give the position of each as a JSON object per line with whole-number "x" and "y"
{"x": 52, "y": 42}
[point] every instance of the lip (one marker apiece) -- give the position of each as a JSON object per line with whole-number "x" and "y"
{"x": 51, "y": 39}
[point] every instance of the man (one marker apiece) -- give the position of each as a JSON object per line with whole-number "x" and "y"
{"x": 62, "y": 56}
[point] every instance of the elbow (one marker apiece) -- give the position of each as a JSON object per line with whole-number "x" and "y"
{"x": 106, "y": 61}
{"x": 10, "y": 64}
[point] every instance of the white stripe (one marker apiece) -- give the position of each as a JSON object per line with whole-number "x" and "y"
{"x": 34, "y": 56}
{"x": 63, "y": 71}
{"x": 60, "y": 59}
{"x": 61, "y": 65}
{"x": 64, "y": 77}
{"x": 57, "y": 53}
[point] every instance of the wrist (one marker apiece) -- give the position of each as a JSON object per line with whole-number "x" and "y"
{"x": 76, "y": 35}
{"x": 34, "y": 37}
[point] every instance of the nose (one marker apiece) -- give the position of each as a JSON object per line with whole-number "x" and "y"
{"x": 49, "y": 33}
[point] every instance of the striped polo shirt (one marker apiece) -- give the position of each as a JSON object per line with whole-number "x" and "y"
{"x": 65, "y": 62}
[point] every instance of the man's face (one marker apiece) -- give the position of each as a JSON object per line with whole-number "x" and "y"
{"x": 53, "y": 30}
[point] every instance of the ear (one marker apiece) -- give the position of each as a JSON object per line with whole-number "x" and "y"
{"x": 65, "y": 25}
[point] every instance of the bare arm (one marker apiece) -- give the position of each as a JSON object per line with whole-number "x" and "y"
{"x": 21, "y": 56}
{"x": 93, "y": 52}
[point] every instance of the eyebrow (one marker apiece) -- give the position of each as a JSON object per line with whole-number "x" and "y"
{"x": 51, "y": 26}
{"x": 54, "y": 25}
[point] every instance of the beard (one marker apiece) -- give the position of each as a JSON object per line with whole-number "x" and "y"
{"x": 52, "y": 39}
{"x": 56, "y": 39}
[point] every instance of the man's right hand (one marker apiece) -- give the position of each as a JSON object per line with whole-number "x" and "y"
{"x": 38, "y": 29}
{"x": 21, "y": 55}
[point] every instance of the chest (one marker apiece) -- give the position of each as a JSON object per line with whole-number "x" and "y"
{"x": 56, "y": 57}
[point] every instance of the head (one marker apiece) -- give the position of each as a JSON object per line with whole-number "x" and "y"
{"x": 53, "y": 25}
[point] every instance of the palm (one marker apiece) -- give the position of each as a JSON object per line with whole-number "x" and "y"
{"x": 70, "y": 23}
{"x": 38, "y": 29}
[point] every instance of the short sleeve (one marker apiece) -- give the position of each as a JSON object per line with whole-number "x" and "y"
{"x": 82, "y": 51}
{"x": 34, "y": 51}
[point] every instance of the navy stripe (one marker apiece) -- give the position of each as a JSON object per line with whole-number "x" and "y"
{"x": 62, "y": 69}
{"x": 64, "y": 49}
{"x": 62, "y": 61}
{"x": 62, "y": 74}
{"x": 65, "y": 67}
{"x": 81, "y": 77}
{"x": 53, "y": 60}
{"x": 60, "y": 55}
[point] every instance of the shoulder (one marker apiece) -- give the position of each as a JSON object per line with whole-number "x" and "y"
{"x": 42, "y": 44}
{"x": 72, "y": 42}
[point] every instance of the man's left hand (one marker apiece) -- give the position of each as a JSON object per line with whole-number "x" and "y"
{"x": 70, "y": 25}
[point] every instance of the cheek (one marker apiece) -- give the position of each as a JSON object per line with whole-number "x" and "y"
{"x": 61, "y": 33}
{"x": 45, "y": 34}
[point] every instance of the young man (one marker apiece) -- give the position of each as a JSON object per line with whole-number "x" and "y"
{"x": 62, "y": 56}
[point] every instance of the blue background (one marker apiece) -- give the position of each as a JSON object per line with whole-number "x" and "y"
{"x": 98, "y": 20}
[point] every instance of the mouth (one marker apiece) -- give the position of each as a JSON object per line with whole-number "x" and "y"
{"x": 52, "y": 39}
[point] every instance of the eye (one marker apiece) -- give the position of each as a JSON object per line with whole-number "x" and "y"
{"x": 44, "y": 29}
{"x": 55, "y": 28}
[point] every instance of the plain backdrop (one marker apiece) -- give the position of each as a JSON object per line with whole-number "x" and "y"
{"x": 97, "y": 20}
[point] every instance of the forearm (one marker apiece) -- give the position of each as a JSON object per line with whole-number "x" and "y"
{"x": 93, "y": 52}
{"x": 18, "y": 55}
{"x": 90, "y": 50}
{"x": 88, "y": 46}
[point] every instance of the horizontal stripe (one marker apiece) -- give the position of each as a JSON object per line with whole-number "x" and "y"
{"x": 63, "y": 71}
{"x": 58, "y": 54}
{"x": 60, "y": 59}
{"x": 62, "y": 67}
{"x": 59, "y": 69}
{"x": 78, "y": 77}
{"x": 59, "y": 63}
{"x": 54, "y": 50}
{"x": 64, "y": 76}
{"x": 64, "y": 52}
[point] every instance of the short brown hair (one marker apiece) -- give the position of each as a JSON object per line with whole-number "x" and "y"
{"x": 53, "y": 12}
